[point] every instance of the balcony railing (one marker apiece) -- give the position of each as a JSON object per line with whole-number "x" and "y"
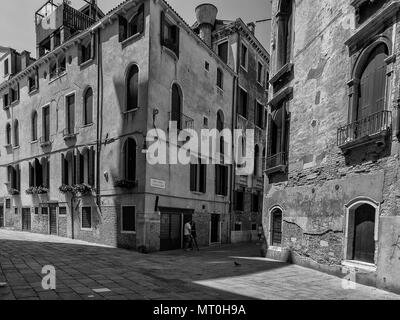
{"x": 276, "y": 163}
{"x": 377, "y": 124}
{"x": 184, "y": 122}
{"x": 75, "y": 19}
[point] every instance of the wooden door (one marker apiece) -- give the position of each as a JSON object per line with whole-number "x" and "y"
{"x": 277, "y": 228}
{"x": 1, "y": 216}
{"x": 364, "y": 234}
{"x": 170, "y": 231}
{"x": 53, "y": 220}
{"x": 26, "y": 219}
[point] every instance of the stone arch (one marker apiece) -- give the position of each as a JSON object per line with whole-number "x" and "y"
{"x": 275, "y": 218}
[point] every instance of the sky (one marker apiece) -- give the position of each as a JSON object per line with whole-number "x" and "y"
{"x": 17, "y": 17}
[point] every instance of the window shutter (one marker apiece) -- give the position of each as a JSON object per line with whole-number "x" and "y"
{"x": 177, "y": 30}
{"x": 193, "y": 177}
{"x": 48, "y": 174}
{"x": 141, "y": 19}
{"x": 123, "y": 28}
{"x": 203, "y": 178}
{"x": 91, "y": 167}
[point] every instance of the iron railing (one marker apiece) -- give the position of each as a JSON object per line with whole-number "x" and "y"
{"x": 372, "y": 125}
{"x": 75, "y": 19}
{"x": 275, "y": 161}
{"x": 183, "y": 121}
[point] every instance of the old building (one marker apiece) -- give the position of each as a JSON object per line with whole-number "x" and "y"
{"x": 331, "y": 198}
{"x": 236, "y": 45}
{"x": 76, "y": 118}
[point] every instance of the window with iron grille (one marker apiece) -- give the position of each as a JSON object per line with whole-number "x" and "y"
{"x": 45, "y": 211}
{"x": 8, "y": 203}
{"x": 36, "y": 210}
{"x": 62, "y": 211}
{"x": 129, "y": 219}
{"x": 86, "y": 221}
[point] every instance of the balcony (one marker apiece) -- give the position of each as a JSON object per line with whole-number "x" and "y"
{"x": 45, "y": 142}
{"x": 50, "y": 17}
{"x": 276, "y": 163}
{"x": 370, "y": 130}
{"x": 69, "y": 134}
{"x": 258, "y": 182}
{"x": 184, "y": 122}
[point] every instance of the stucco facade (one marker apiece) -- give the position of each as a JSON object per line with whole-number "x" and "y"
{"x": 338, "y": 167}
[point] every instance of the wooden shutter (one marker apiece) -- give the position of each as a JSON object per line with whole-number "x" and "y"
{"x": 203, "y": 178}
{"x": 193, "y": 174}
{"x": 91, "y": 167}
{"x": 63, "y": 181}
{"x": 140, "y": 23}
{"x": 123, "y": 28}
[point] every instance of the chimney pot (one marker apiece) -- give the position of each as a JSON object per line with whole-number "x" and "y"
{"x": 206, "y": 15}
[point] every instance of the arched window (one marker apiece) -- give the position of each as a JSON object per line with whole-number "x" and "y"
{"x": 372, "y": 89}
{"x": 8, "y": 134}
{"x": 34, "y": 126}
{"x": 176, "y": 105}
{"x": 285, "y": 26}
{"x": 130, "y": 159}
{"x": 256, "y": 160}
{"x": 88, "y": 107}
{"x": 16, "y": 133}
{"x": 132, "y": 89}
{"x": 220, "y": 79}
{"x": 276, "y": 227}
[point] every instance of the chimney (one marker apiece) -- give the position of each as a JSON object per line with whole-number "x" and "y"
{"x": 206, "y": 15}
{"x": 25, "y": 59}
{"x": 252, "y": 27}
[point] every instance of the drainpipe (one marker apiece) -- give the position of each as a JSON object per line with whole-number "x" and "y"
{"x": 99, "y": 133}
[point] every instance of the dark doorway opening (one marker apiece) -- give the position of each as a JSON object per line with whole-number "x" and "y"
{"x": 53, "y": 220}
{"x": 364, "y": 234}
{"x": 215, "y": 228}
{"x": 276, "y": 227}
{"x": 172, "y": 222}
{"x": 26, "y": 219}
{"x": 1, "y": 216}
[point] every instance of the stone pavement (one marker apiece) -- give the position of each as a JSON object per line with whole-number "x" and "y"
{"x": 82, "y": 269}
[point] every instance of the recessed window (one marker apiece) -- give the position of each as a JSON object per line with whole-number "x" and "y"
{"x": 16, "y": 133}
{"x": 169, "y": 35}
{"x": 239, "y": 200}
{"x": 220, "y": 79}
{"x": 70, "y": 114}
{"x": 16, "y": 211}
{"x": 36, "y": 211}
{"x": 238, "y": 226}
{"x": 45, "y": 211}
{"x": 243, "y": 102}
{"x": 8, "y": 203}
{"x": 132, "y": 89}
{"x": 207, "y": 66}
{"x": 221, "y": 180}
{"x": 255, "y": 202}
{"x": 34, "y": 126}
{"x": 130, "y": 159}
{"x": 259, "y": 114}
{"x": 132, "y": 26}
{"x": 198, "y": 177}
{"x": 86, "y": 221}
{"x": 260, "y": 73}
{"x": 88, "y": 107}
{"x": 46, "y": 124}
{"x": 244, "y": 58}
{"x": 223, "y": 51}
{"x": 33, "y": 83}
{"x": 6, "y": 68}
{"x": 254, "y": 227}
{"x": 128, "y": 219}
{"x": 6, "y": 101}
{"x": 176, "y": 108}
{"x": 62, "y": 211}
{"x": 14, "y": 93}
{"x": 8, "y": 134}
{"x": 205, "y": 122}
{"x": 87, "y": 50}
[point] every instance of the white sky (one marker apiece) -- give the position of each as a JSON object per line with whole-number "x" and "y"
{"x": 18, "y": 28}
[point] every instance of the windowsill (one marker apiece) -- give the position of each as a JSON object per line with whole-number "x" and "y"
{"x": 275, "y": 248}
{"x": 87, "y": 125}
{"x": 364, "y": 266}
{"x": 170, "y": 52}
{"x": 86, "y": 63}
{"x": 131, "y": 39}
{"x": 277, "y": 169}
{"x": 198, "y": 193}
{"x": 242, "y": 117}
{"x": 34, "y": 141}
{"x": 16, "y": 147}
{"x": 130, "y": 111}
{"x": 221, "y": 196}
{"x": 287, "y": 68}
{"x": 8, "y": 146}
{"x": 57, "y": 77}
{"x": 33, "y": 92}
{"x": 14, "y": 103}
{"x": 45, "y": 144}
{"x": 88, "y": 230}
{"x": 129, "y": 232}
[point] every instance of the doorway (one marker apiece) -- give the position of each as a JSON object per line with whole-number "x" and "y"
{"x": 215, "y": 234}
{"x": 53, "y": 220}
{"x": 26, "y": 219}
{"x": 364, "y": 230}
{"x": 2, "y": 216}
{"x": 276, "y": 237}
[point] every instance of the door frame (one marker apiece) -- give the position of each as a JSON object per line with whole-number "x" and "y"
{"x": 350, "y": 209}
{"x": 49, "y": 220}
{"x": 22, "y": 218}
{"x": 219, "y": 230}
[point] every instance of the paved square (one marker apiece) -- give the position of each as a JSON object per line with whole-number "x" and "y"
{"x": 91, "y": 272}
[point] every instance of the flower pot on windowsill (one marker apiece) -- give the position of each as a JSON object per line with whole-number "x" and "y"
{"x": 81, "y": 189}
{"x": 125, "y": 184}
{"x": 13, "y": 192}
{"x": 36, "y": 190}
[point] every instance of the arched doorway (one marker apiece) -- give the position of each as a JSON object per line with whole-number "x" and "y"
{"x": 364, "y": 230}
{"x": 276, "y": 227}
{"x": 361, "y": 231}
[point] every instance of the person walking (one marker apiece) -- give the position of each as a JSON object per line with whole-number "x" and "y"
{"x": 187, "y": 232}
{"x": 194, "y": 236}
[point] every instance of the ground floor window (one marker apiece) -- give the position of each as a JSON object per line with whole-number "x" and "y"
{"x": 45, "y": 211}
{"x": 62, "y": 211}
{"x": 128, "y": 219}
{"x": 238, "y": 226}
{"x": 86, "y": 219}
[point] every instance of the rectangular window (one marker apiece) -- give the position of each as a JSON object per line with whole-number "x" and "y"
{"x": 220, "y": 79}
{"x": 223, "y": 51}
{"x": 70, "y": 112}
{"x": 36, "y": 210}
{"x": 260, "y": 72}
{"x": 243, "y": 102}
{"x": 278, "y": 138}
{"x": 86, "y": 221}
{"x": 169, "y": 35}
{"x": 244, "y": 58}
{"x": 259, "y": 114}
{"x": 87, "y": 50}
{"x": 239, "y": 200}
{"x": 16, "y": 211}
{"x": 198, "y": 177}
{"x": 45, "y": 211}
{"x": 254, "y": 227}
{"x": 221, "y": 179}
{"x": 14, "y": 94}
{"x": 238, "y": 226}
{"x": 46, "y": 124}
{"x": 6, "y": 68}
{"x": 255, "y": 203}
{"x": 62, "y": 211}
{"x": 128, "y": 219}
{"x": 6, "y": 101}
{"x": 32, "y": 83}
{"x": 8, "y": 203}
{"x": 207, "y": 66}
